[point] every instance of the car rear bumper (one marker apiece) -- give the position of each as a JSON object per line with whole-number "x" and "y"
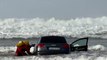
{"x": 52, "y": 52}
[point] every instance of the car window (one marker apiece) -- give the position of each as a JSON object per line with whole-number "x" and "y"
{"x": 53, "y": 40}
{"x": 81, "y": 42}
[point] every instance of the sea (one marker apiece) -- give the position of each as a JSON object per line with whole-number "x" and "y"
{"x": 13, "y": 30}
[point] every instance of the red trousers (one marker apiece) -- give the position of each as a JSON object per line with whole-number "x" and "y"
{"x": 23, "y": 50}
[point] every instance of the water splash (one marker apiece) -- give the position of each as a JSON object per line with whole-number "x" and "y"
{"x": 96, "y": 52}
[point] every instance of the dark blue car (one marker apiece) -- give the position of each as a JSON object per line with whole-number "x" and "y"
{"x": 58, "y": 45}
{"x": 52, "y": 45}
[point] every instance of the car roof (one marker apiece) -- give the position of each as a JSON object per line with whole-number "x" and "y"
{"x": 52, "y": 36}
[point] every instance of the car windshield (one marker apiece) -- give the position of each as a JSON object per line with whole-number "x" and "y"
{"x": 53, "y": 39}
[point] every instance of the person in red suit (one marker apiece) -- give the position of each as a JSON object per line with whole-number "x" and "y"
{"x": 23, "y": 48}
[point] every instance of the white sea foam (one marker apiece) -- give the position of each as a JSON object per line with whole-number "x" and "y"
{"x": 79, "y": 27}
{"x": 98, "y": 48}
{"x": 95, "y": 52}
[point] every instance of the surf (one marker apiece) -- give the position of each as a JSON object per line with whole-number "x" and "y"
{"x": 36, "y": 27}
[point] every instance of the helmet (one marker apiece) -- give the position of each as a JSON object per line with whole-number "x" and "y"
{"x": 26, "y": 42}
{"x": 20, "y": 43}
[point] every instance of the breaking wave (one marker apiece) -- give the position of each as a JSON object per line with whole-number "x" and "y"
{"x": 35, "y": 27}
{"x": 96, "y": 52}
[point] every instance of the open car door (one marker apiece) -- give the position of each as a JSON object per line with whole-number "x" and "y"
{"x": 79, "y": 45}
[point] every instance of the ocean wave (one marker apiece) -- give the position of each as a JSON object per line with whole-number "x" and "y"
{"x": 90, "y": 48}
{"x": 97, "y": 48}
{"x": 36, "y": 27}
{"x": 96, "y": 52}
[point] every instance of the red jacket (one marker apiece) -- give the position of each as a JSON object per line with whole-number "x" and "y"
{"x": 23, "y": 50}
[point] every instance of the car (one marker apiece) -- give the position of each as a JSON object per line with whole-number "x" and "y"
{"x": 52, "y": 45}
{"x": 80, "y": 44}
{"x": 59, "y": 45}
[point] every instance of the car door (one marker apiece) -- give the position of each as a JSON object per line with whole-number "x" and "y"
{"x": 79, "y": 45}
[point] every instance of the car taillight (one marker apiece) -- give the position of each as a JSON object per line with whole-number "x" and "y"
{"x": 41, "y": 45}
{"x": 65, "y": 45}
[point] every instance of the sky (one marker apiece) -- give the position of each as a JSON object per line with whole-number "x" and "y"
{"x": 63, "y": 9}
